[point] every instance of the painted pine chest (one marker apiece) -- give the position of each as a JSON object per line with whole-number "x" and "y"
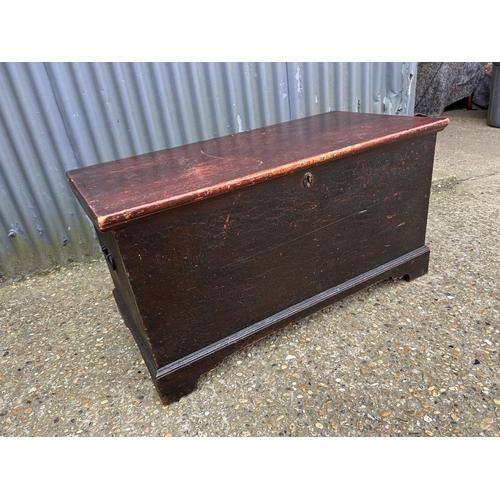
{"x": 215, "y": 244}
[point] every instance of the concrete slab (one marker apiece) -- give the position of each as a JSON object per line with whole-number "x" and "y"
{"x": 398, "y": 359}
{"x": 441, "y": 179}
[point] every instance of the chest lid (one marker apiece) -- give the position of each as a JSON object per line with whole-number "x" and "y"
{"x": 116, "y": 192}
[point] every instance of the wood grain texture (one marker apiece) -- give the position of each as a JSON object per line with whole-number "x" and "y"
{"x": 202, "y": 271}
{"x": 116, "y": 192}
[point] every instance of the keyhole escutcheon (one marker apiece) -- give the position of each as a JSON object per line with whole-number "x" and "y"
{"x": 308, "y": 179}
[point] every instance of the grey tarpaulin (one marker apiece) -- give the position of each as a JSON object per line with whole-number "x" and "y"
{"x": 440, "y": 84}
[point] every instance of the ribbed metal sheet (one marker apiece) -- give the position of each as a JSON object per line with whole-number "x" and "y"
{"x": 40, "y": 222}
{"x": 115, "y": 110}
{"x": 59, "y": 116}
{"x": 383, "y": 88}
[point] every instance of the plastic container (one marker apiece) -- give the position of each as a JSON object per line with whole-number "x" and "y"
{"x": 493, "y": 117}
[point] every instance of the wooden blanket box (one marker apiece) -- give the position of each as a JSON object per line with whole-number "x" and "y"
{"x": 213, "y": 245}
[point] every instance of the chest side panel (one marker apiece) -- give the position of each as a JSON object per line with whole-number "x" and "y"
{"x": 122, "y": 285}
{"x": 206, "y": 270}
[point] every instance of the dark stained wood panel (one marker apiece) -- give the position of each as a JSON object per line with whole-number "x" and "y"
{"x": 208, "y": 269}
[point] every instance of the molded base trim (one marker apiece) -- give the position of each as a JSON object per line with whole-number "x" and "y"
{"x": 180, "y": 377}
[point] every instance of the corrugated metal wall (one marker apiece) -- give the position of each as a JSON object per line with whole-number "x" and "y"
{"x": 384, "y": 88}
{"x": 59, "y": 116}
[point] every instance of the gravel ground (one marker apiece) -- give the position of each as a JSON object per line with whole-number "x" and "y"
{"x": 398, "y": 359}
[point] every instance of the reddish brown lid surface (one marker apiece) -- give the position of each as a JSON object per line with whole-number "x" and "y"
{"x": 115, "y": 192}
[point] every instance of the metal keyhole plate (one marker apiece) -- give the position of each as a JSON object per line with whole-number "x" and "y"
{"x": 308, "y": 178}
